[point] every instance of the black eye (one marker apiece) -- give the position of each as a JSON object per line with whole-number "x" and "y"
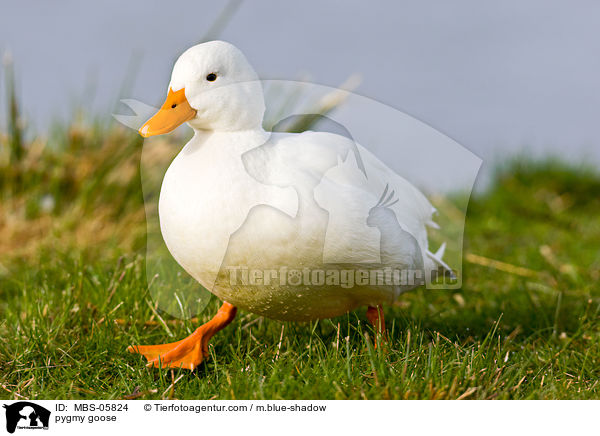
{"x": 173, "y": 106}
{"x": 211, "y": 77}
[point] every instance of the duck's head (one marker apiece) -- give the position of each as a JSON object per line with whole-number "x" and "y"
{"x": 213, "y": 87}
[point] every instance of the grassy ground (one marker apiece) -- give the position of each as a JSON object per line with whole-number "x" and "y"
{"x": 73, "y": 295}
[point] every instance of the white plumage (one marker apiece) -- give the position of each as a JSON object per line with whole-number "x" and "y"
{"x": 237, "y": 197}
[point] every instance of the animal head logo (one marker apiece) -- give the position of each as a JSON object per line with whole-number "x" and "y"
{"x": 26, "y": 415}
{"x": 382, "y": 211}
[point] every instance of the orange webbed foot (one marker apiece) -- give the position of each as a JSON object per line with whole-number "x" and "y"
{"x": 189, "y": 352}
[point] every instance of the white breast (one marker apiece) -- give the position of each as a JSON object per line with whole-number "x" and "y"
{"x": 206, "y": 196}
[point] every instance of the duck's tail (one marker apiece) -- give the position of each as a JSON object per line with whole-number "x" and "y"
{"x": 437, "y": 259}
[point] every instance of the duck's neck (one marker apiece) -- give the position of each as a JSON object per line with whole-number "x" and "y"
{"x": 237, "y": 140}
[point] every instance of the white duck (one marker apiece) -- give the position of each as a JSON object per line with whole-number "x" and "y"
{"x": 246, "y": 212}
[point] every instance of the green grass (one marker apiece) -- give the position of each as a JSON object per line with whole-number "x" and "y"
{"x": 501, "y": 336}
{"x": 73, "y": 293}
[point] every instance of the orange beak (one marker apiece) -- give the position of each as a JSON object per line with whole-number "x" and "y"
{"x": 174, "y": 112}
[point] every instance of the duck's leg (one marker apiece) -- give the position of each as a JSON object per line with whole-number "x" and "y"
{"x": 375, "y": 317}
{"x": 191, "y": 351}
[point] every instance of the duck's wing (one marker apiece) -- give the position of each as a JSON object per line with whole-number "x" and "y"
{"x": 290, "y": 159}
{"x": 309, "y": 158}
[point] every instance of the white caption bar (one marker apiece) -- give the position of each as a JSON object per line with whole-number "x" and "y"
{"x": 299, "y": 417}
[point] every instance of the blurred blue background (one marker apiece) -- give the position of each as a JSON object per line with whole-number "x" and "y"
{"x": 498, "y": 77}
